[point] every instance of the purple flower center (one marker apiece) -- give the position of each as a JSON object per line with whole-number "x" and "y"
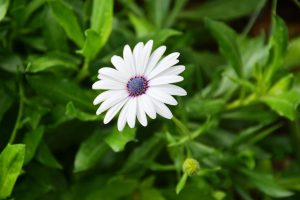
{"x": 137, "y": 86}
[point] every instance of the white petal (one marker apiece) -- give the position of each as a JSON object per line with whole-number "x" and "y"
{"x": 141, "y": 115}
{"x": 129, "y": 59}
{"x": 112, "y": 74}
{"x": 162, "y": 109}
{"x": 108, "y": 85}
{"x": 138, "y": 58}
{"x": 171, "y": 89}
{"x": 131, "y": 113}
{"x": 175, "y": 70}
{"x": 105, "y": 95}
{"x": 113, "y": 100}
{"x": 113, "y": 111}
{"x": 148, "y": 106}
{"x": 122, "y": 117}
{"x": 161, "y": 96}
{"x": 154, "y": 58}
{"x": 164, "y": 64}
{"x": 165, "y": 80}
{"x": 146, "y": 55}
{"x": 121, "y": 66}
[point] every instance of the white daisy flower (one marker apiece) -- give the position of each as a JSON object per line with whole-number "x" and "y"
{"x": 140, "y": 84}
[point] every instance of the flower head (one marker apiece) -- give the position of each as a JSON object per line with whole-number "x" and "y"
{"x": 140, "y": 85}
{"x": 190, "y": 166}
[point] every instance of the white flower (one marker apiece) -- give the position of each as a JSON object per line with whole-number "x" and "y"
{"x": 140, "y": 84}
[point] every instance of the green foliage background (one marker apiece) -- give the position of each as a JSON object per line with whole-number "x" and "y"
{"x": 239, "y": 119}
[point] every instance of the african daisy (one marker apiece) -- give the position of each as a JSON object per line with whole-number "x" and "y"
{"x": 140, "y": 84}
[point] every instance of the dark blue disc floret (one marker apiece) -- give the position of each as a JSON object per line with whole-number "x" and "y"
{"x": 137, "y": 86}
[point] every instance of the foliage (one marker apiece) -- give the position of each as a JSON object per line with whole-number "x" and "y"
{"x": 239, "y": 119}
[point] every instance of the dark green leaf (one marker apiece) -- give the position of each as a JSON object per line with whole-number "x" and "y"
{"x": 267, "y": 184}
{"x": 92, "y": 44}
{"x": 118, "y": 140}
{"x": 61, "y": 91}
{"x": 226, "y": 39}
{"x": 45, "y": 156}
{"x": 65, "y": 16}
{"x": 59, "y": 60}
{"x": 223, "y": 10}
{"x": 73, "y": 112}
{"x": 32, "y": 140}
{"x": 90, "y": 151}
{"x": 11, "y": 162}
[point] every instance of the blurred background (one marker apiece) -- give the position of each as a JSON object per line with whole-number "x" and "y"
{"x": 239, "y": 121}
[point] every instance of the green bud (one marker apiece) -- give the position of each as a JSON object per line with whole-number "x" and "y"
{"x": 190, "y": 166}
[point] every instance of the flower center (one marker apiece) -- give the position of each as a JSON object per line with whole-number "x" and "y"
{"x": 137, "y": 86}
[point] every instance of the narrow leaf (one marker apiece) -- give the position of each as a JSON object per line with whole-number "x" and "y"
{"x": 181, "y": 183}
{"x": 32, "y": 140}
{"x": 3, "y": 8}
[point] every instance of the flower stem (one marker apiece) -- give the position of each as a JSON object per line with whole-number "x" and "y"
{"x": 84, "y": 71}
{"x": 20, "y": 113}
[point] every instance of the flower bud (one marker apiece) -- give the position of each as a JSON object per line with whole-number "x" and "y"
{"x": 190, "y": 166}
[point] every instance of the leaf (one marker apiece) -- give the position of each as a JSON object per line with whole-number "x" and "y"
{"x": 199, "y": 107}
{"x": 11, "y": 162}
{"x": 293, "y": 53}
{"x": 118, "y": 140}
{"x": 58, "y": 60}
{"x": 11, "y": 63}
{"x": 159, "y": 11}
{"x": 267, "y": 184}
{"x": 90, "y": 151}
{"x": 283, "y": 85}
{"x": 73, "y": 112}
{"x": 181, "y": 183}
{"x": 3, "y": 8}
{"x": 101, "y": 19}
{"x": 161, "y": 36}
{"x": 142, "y": 155}
{"x": 278, "y": 44}
{"x": 6, "y": 101}
{"x": 32, "y": 140}
{"x": 141, "y": 26}
{"x": 228, "y": 46}
{"x": 66, "y": 17}
{"x": 92, "y": 44}
{"x": 285, "y": 104}
{"x": 223, "y": 10}
{"x": 45, "y": 156}
{"x": 61, "y": 91}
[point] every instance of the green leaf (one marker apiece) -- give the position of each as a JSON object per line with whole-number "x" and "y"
{"x": 141, "y": 26}
{"x": 285, "y": 104}
{"x": 61, "y": 91}
{"x": 11, "y": 63}
{"x": 3, "y": 8}
{"x": 6, "y": 101}
{"x": 11, "y": 162}
{"x": 101, "y": 25}
{"x": 228, "y": 46}
{"x": 267, "y": 184}
{"x": 278, "y": 44}
{"x": 92, "y": 44}
{"x": 59, "y": 60}
{"x": 90, "y": 151}
{"x": 118, "y": 140}
{"x": 161, "y": 36}
{"x": 65, "y": 16}
{"x": 181, "y": 183}
{"x": 293, "y": 53}
{"x": 45, "y": 156}
{"x": 283, "y": 85}
{"x": 223, "y": 10}
{"x": 32, "y": 140}
{"x": 159, "y": 12}
{"x": 73, "y": 112}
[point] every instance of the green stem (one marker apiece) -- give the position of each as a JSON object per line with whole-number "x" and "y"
{"x": 181, "y": 126}
{"x": 274, "y": 6}
{"x": 84, "y": 71}
{"x": 20, "y": 113}
{"x": 297, "y": 3}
